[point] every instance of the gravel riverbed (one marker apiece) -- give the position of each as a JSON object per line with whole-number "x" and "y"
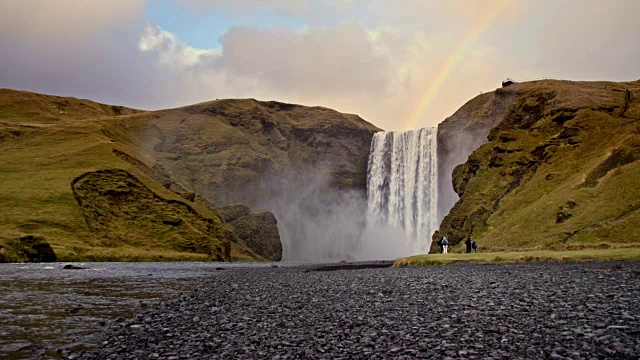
{"x": 584, "y": 310}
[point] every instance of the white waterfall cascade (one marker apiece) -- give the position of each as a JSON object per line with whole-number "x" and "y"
{"x": 402, "y": 184}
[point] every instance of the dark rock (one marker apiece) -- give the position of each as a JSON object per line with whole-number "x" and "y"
{"x": 258, "y": 231}
{"x": 72, "y": 267}
{"x": 32, "y": 248}
{"x": 397, "y": 312}
{"x": 17, "y": 347}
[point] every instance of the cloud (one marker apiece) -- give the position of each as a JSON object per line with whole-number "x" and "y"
{"x": 374, "y": 58}
{"x": 170, "y": 51}
{"x": 338, "y": 60}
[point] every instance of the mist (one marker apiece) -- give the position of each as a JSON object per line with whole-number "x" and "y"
{"x": 318, "y": 222}
{"x": 453, "y": 151}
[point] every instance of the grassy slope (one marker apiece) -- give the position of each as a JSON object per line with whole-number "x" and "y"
{"x": 552, "y": 155}
{"x": 225, "y": 149}
{"x": 46, "y": 142}
{"x": 630, "y": 254}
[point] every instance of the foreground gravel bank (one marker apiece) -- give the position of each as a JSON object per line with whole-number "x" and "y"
{"x": 458, "y": 311}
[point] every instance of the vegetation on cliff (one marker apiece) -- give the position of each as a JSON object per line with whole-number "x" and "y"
{"x": 148, "y": 183}
{"x": 559, "y": 171}
{"x": 256, "y": 231}
{"x": 235, "y": 151}
{"x": 121, "y": 210}
{"x": 69, "y": 185}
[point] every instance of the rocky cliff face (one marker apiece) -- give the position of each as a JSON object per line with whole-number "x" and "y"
{"x": 463, "y": 132}
{"x": 559, "y": 170}
{"x": 256, "y": 231}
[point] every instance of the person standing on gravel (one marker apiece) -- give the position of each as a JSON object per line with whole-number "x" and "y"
{"x": 468, "y": 243}
{"x": 445, "y": 245}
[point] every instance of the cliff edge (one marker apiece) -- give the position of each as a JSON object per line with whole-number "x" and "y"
{"x": 559, "y": 170}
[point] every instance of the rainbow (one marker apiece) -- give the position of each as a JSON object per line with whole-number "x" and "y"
{"x": 435, "y": 84}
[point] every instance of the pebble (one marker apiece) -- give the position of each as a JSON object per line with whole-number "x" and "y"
{"x": 469, "y": 311}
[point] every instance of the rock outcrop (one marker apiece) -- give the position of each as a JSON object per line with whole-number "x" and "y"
{"x": 463, "y": 132}
{"x": 559, "y": 169}
{"x": 27, "y": 248}
{"x": 257, "y": 231}
{"x": 120, "y": 209}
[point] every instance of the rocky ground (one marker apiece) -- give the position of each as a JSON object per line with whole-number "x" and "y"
{"x": 458, "y": 311}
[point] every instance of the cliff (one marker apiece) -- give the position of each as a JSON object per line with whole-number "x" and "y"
{"x": 558, "y": 170}
{"x": 463, "y": 132}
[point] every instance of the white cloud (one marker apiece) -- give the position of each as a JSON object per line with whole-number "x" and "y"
{"x": 171, "y": 52}
{"x": 374, "y": 58}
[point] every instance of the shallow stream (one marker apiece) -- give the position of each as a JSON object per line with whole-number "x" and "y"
{"x": 45, "y": 309}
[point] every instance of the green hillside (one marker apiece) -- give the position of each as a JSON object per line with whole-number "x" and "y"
{"x": 50, "y": 144}
{"x": 559, "y": 171}
{"x": 229, "y": 150}
{"x": 103, "y": 182}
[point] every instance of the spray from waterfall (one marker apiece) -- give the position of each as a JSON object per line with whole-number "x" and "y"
{"x": 402, "y": 185}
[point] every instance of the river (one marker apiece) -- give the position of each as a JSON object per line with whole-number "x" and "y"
{"x": 46, "y": 310}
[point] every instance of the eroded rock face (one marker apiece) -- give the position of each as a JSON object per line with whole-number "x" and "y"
{"x": 120, "y": 210}
{"x": 31, "y": 248}
{"x": 462, "y": 133}
{"x": 557, "y": 144}
{"x": 257, "y": 231}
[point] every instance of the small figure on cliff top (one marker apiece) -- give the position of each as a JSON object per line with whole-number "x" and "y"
{"x": 468, "y": 243}
{"x": 445, "y": 245}
{"x": 474, "y": 245}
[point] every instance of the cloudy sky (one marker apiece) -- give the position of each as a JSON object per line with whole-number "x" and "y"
{"x": 401, "y": 64}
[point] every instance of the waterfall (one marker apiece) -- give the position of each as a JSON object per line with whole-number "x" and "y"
{"x": 402, "y": 183}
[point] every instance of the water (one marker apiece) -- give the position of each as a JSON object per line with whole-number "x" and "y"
{"x": 36, "y": 300}
{"x": 402, "y": 183}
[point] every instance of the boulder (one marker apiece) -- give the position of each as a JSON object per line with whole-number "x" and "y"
{"x": 72, "y": 267}
{"x": 257, "y": 231}
{"x": 32, "y": 248}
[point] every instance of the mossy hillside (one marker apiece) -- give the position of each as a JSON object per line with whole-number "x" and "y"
{"x": 559, "y": 171}
{"x": 230, "y": 150}
{"x": 462, "y": 133}
{"x": 30, "y": 109}
{"x": 123, "y": 211}
{"x": 38, "y": 161}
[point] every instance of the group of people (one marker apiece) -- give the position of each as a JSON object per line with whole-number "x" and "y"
{"x": 444, "y": 245}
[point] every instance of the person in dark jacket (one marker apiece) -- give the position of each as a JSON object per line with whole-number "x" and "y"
{"x": 445, "y": 245}
{"x": 474, "y": 245}
{"x": 441, "y": 247}
{"x": 468, "y": 243}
